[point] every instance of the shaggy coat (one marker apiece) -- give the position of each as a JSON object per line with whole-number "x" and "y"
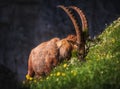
{"x": 43, "y": 58}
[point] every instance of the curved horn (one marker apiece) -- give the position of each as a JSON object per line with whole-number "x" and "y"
{"x": 79, "y": 33}
{"x": 77, "y": 28}
{"x": 83, "y": 18}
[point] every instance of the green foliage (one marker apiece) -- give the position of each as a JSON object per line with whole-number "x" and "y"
{"x": 100, "y": 71}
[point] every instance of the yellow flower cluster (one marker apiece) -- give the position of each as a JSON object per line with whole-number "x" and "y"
{"x": 74, "y": 73}
{"x": 65, "y": 65}
{"x": 63, "y": 74}
{"x": 28, "y": 77}
{"x": 58, "y": 74}
{"x": 35, "y": 81}
{"x": 47, "y": 78}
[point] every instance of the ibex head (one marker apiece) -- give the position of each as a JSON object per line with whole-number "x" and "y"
{"x": 80, "y": 33}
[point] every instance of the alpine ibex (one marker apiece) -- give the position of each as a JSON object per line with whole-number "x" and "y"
{"x": 48, "y": 54}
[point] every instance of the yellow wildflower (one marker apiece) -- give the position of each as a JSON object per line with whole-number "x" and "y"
{"x": 35, "y": 81}
{"x": 51, "y": 74}
{"x": 74, "y": 73}
{"x": 58, "y": 74}
{"x": 47, "y": 78}
{"x": 65, "y": 65}
{"x": 28, "y": 77}
{"x": 63, "y": 74}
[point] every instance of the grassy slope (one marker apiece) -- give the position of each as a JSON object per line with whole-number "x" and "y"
{"x": 101, "y": 71}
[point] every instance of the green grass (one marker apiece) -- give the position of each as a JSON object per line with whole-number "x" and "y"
{"x": 100, "y": 71}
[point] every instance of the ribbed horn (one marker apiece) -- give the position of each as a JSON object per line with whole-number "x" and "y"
{"x": 83, "y": 18}
{"x": 77, "y": 28}
{"x": 79, "y": 34}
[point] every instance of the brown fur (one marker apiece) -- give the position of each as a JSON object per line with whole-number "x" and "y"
{"x": 48, "y": 54}
{"x": 66, "y": 46}
{"x": 43, "y": 58}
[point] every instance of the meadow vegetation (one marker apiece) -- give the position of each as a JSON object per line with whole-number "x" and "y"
{"x": 100, "y": 71}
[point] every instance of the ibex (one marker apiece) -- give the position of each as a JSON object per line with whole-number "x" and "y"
{"x": 48, "y": 54}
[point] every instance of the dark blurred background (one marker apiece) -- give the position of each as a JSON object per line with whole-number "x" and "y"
{"x": 26, "y": 23}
